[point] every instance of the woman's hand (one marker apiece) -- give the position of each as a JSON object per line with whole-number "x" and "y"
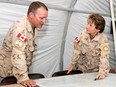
{"x": 69, "y": 70}
{"x": 100, "y": 76}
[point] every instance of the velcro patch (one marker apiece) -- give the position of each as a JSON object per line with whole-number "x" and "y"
{"x": 22, "y": 37}
{"x": 104, "y": 48}
{"x": 77, "y": 40}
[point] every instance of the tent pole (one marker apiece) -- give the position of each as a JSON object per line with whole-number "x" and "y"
{"x": 113, "y": 24}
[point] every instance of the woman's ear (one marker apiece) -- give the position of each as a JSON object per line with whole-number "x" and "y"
{"x": 98, "y": 30}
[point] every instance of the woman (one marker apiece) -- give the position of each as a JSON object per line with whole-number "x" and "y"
{"x": 91, "y": 50}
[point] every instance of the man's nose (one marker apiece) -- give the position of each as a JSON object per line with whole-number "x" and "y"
{"x": 44, "y": 20}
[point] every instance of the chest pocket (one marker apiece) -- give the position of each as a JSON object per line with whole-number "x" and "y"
{"x": 84, "y": 49}
{"x": 30, "y": 45}
{"x": 96, "y": 51}
{"x": 29, "y": 52}
{"x": 31, "y": 42}
{"x": 93, "y": 48}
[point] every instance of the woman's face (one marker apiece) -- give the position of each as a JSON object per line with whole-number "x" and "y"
{"x": 91, "y": 28}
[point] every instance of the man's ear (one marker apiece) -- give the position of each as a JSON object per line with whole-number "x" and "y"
{"x": 31, "y": 14}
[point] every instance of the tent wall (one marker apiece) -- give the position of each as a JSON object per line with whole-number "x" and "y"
{"x": 75, "y": 26}
{"x": 67, "y": 18}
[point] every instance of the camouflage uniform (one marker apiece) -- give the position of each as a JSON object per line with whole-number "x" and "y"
{"x": 18, "y": 47}
{"x": 91, "y": 55}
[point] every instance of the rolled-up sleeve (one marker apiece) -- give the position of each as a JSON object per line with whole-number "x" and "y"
{"x": 76, "y": 55}
{"x": 104, "y": 58}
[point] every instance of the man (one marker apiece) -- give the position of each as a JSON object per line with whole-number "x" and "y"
{"x": 19, "y": 43}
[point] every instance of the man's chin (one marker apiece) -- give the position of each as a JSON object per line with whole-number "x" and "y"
{"x": 39, "y": 27}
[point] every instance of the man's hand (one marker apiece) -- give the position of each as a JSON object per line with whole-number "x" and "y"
{"x": 29, "y": 83}
{"x": 100, "y": 76}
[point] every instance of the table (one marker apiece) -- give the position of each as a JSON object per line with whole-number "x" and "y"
{"x": 11, "y": 85}
{"x": 78, "y": 80}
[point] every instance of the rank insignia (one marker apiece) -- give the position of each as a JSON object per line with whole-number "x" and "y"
{"x": 22, "y": 37}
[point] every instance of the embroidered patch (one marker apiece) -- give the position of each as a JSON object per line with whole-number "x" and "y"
{"x": 19, "y": 43}
{"x": 104, "y": 48}
{"x": 22, "y": 37}
{"x": 77, "y": 40}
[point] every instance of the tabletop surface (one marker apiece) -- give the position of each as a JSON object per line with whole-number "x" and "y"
{"x": 78, "y": 80}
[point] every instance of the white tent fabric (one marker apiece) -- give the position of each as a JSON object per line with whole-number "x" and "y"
{"x": 75, "y": 26}
{"x": 67, "y": 18}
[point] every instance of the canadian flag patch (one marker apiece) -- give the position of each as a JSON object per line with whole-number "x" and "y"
{"x": 22, "y": 37}
{"x": 77, "y": 40}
